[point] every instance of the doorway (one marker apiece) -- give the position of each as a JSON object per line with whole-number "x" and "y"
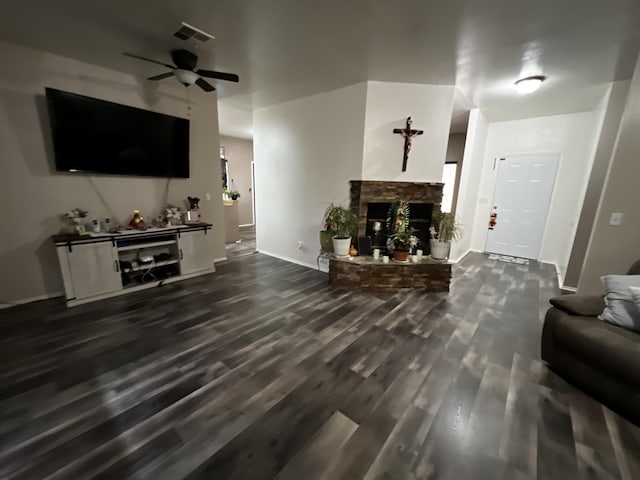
{"x": 238, "y": 195}
{"x": 520, "y": 204}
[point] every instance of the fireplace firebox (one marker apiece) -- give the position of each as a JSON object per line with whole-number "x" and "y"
{"x": 378, "y": 212}
{"x": 370, "y": 201}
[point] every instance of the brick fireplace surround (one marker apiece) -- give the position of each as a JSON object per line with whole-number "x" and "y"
{"x": 364, "y": 192}
{"x": 367, "y": 275}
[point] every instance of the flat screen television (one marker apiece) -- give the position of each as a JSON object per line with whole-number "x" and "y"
{"x": 96, "y": 136}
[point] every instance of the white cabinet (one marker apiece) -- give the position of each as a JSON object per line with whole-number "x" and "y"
{"x": 194, "y": 252}
{"x": 93, "y": 270}
{"x": 107, "y": 265}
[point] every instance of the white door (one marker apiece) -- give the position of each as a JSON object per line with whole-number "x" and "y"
{"x": 94, "y": 269}
{"x": 520, "y": 205}
{"x": 194, "y": 252}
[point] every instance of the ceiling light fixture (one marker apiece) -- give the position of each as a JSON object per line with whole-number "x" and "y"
{"x": 530, "y": 84}
{"x": 185, "y": 77}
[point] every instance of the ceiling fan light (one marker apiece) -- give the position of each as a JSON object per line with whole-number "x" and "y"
{"x": 186, "y": 77}
{"x": 529, "y": 84}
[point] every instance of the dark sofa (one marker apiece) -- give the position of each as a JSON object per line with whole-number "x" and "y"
{"x": 602, "y": 359}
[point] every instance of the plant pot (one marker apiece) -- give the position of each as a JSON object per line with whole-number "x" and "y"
{"x": 400, "y": 255}
{"x": 439, "y": 250}
{"x": 341, "y": 246}
{"x": 326, "y": 242}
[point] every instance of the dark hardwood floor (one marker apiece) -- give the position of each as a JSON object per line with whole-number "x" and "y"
{"x": 262, "y": 371}
{"x": 245, "y": 246}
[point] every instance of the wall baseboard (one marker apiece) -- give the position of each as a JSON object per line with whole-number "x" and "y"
{"x": 247, "y": 225}
{"x": 460, "y": 257}
{"x": 31, "y": 299}
{"x": 221, "y": 259}
{"x": 288, "y": 259}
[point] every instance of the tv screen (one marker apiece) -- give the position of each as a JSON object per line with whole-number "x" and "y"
{"x": 95, "y": 136}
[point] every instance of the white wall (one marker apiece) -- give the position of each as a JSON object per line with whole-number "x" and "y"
{"x": 472, "y": 164}
{"x": 574, "y": 137}
{"x": 388, "y": 106}
{"x": 34, "y": 196}
{"x": 612, "y": 249}
{"x": 305, "y": 153}
{"x": 612, "y": 107}
{"x": 235, "y": 121}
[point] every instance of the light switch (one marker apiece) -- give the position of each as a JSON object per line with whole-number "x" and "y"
{"x": 207, "y": 196}
{"x": 616, "y": 219}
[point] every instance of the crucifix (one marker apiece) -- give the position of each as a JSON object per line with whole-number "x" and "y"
{"x": 408, "y": 135}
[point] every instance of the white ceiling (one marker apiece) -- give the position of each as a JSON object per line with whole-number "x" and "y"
{"x": 285, "y": 49}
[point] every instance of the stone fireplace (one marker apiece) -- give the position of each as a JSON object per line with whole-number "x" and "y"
{"x": 370, "y": 201}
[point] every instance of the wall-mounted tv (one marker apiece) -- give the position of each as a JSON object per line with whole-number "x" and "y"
{"x": 96, "y": 136}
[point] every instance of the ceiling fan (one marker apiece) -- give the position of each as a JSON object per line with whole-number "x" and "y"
{"x": 185, "y": 70}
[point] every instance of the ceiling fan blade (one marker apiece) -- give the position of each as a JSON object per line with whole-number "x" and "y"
{"x": 133, "y": 55}
{"x": 231, "y": 77}
{"x": 161, "y": 76}
{"x": 204, "y": 85}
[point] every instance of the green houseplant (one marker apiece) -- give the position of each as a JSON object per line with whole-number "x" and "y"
{"x": 444, "y": 229}
{"x": 402, "y": 234}
{"x": 343, "y": 224}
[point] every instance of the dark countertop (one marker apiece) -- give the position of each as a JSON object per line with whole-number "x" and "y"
{"x": 125, "y": 233}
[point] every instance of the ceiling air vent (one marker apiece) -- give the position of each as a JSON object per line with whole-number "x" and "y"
{"x": 187, "y": 32}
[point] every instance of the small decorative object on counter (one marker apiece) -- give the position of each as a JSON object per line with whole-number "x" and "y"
{"x": 193, "y": 214}
{"x": 353, "y": 251}
{"x": 109, "y": 226}
{"x": 172, "y": 215}
{"x": 137, "y": 221}
{"x": 77, "y": 216}
{"x": 95, "y": 225}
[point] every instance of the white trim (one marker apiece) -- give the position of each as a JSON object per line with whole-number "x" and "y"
{"x": 460, "y": 257}
{"x": 31, "y": 299}
{"x": 569, "y": 289}
{"x": 221, "y": 259}
{"x": 247, "y": 225}
{"x": 288, "y": 259}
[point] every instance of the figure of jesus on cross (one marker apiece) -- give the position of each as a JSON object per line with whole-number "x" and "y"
{"x": 408, "y": 135}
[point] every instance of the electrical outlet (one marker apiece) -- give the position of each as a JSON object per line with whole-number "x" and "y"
{"x": 299, "y": 244}
{"x": 616, "y": 219}
{"x": 207, "y": 196}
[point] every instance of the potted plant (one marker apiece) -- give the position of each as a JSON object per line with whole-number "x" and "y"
{"x": 401, "y": 238}
{"x": 342, "y": 223}
{"x": 444, "y": 229}
{"x": 231, "y": 194}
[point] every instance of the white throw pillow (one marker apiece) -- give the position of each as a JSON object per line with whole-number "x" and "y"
{"x": 620, "y": 308}
{"x": 635, "y": 296}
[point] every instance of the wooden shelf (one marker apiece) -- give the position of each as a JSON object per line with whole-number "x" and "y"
{"x": 140, "y": 246}
{"x": 152, "y": 265}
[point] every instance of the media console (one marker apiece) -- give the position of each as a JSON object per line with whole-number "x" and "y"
{"x": 108, "y": 264}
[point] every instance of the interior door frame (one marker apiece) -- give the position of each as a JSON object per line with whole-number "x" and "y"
{"x": 551, "y": 197}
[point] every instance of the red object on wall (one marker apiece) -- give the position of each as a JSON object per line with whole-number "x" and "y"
{"x": 492, "y": 220}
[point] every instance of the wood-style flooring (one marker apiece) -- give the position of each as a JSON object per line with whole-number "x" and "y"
{"x": 262, "y": 371}
{"x": 245, "y": 246}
